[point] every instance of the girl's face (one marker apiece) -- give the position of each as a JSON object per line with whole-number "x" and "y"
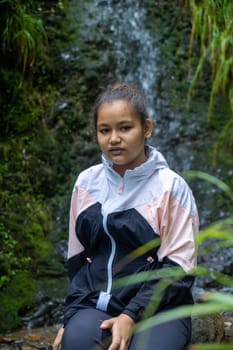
{"x": 121, "y": 135}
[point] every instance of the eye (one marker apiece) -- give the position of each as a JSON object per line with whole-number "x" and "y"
{"x": 126, "y": 128}
{"x": 103, "y": 131}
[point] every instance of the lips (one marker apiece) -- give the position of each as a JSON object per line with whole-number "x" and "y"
{"x": 116, "y": 151}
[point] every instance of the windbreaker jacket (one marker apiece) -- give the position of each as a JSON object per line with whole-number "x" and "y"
{"x": 111, "y": 217}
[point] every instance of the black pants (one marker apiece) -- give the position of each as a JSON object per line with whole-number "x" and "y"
{"x": 83, "y": 333}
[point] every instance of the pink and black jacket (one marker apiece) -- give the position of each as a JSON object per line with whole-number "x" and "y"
{"x": 110, "y": 217}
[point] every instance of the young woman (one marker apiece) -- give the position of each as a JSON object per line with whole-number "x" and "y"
{"x": 117, "y": 206}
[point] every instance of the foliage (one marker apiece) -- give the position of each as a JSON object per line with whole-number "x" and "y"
{"x": 213, "y": 180}
{"x": 213, "y": 346}
{"x": 44, "y": 142}
{"x": 213, "y": 301}
{"x": 23, "y": 230}
{"x": 23, "y": 33}
{"x": 212, "y": 27}
{"x": 7, "y": 258}
{"x": 25, "y": 176}
{"x": 24, "y": 287}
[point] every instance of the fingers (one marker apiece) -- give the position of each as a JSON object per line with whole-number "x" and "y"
{"x": 120, "y": 328}
{"x": 115, "y": 345}
{"x": 107, "y": 324}
{"x": 118, "y": 344}
{"x": 58, "y": 339}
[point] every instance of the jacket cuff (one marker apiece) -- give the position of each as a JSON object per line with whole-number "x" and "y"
{"x": 133, "y": 311}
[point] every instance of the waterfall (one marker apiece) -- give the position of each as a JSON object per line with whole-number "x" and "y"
{"x": 135, "y": 52}
{"x": 134, "y": 48}
{"x": 120, "y": 31}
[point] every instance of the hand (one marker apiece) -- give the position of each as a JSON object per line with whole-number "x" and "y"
{"x": 121, "y": 328}
{"x": 58, "y": 339}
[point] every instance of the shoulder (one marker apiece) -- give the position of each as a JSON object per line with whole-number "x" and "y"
{"x": 170, "y": 179}
{"x": 89, "y": 175}
{"x": 177, "y": 188}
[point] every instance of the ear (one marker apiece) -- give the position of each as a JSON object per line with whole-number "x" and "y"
{"x": 148, "y": 128}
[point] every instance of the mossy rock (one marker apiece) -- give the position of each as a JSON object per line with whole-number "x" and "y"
{"x": 15, "y": 298}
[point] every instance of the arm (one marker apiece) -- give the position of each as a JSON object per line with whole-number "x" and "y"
{"x": 76, "y": 255}
{"x": 178, "y": 227}
{"x": 122, "y": 327}
{"x": 58, "y": 339}
{"x": 177, "y": 219}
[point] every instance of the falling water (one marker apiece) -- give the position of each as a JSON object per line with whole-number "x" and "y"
{"x": 120, "y": 31}
{"x": 122, "y": 25}
{"x": 135, "y": 49}
{"x": 135, "y": 56}
{"x": 135, "y": 52}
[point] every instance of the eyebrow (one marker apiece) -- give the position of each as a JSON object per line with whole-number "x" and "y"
{"x": 119, "y": 123}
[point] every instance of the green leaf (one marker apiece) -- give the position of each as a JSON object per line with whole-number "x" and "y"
{"x": 212, "y": 179}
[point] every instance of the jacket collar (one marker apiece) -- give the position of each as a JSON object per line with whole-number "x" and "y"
{"x": 154, "y": 162}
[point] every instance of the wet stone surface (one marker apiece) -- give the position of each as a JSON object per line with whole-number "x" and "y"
{"x": 219, "y": 329}
{"x": 29, "y": 339}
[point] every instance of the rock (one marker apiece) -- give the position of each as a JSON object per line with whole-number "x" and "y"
{"x": 198, "y": 294}
{"x": 207, "y": 328}
{"x": 47, "y": 313}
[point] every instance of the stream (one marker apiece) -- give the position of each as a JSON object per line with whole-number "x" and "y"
{"x": 135, "y": 51}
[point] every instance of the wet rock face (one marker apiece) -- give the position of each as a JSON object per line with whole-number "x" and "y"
{"x": 207, "y": 328}
{"x": 48, "y": 313}
{"x": 40, "y": 338}
{"x": 219, "y": 260}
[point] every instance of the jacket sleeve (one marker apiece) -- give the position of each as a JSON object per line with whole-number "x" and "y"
{"x": 178, "y": 225}
{"x": 76, "y": 253}
{"x": 175, "y": 294}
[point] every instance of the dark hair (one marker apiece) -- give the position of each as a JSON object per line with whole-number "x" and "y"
{"x": 121, "y": 91}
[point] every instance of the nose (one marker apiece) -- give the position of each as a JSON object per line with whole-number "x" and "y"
{"x": 115, "y": 138}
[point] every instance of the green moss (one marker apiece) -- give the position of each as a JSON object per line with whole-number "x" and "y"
{"x": 54, "y": 286}
{"x": 15, "y": 298}
{"x": 46, "y": 140}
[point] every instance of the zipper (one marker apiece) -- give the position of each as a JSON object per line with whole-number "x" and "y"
{"x": 105, "y": 296}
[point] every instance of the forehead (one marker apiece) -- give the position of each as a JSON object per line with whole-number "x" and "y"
{"x": 116, "y": 111}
